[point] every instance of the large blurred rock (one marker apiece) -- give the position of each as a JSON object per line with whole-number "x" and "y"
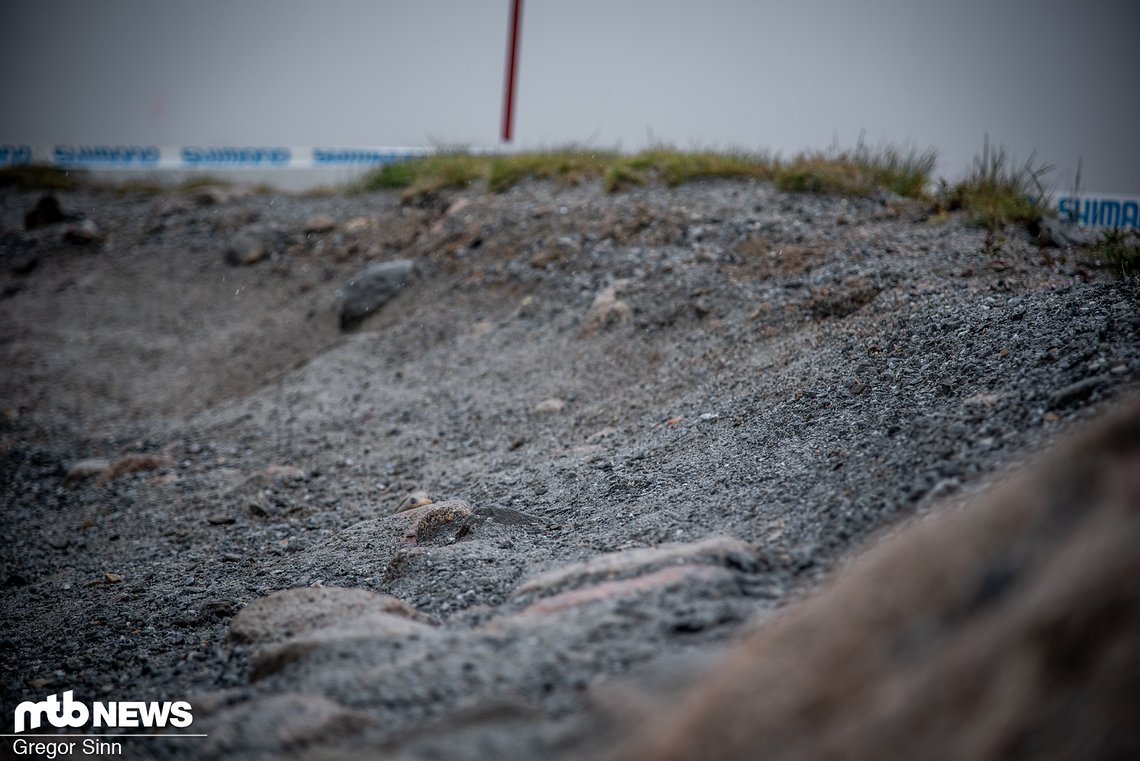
{"x": 371, "y": 289}
{"x": 1007, "y": 630}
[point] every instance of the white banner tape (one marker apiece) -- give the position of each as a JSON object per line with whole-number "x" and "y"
{"x": 204, "y": 156}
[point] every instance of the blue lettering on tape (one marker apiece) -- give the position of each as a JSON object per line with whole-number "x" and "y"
{"x": 15, "y": 155}
{"x": 235, "y": 156}
{"x": 1098, "y": 212}
{"x": 328, "y": 156}
{"x": 1130, "y": 215}
{"x": 106, "y": 155}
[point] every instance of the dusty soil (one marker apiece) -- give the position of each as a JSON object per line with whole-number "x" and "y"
{"x": 587, "y": 373}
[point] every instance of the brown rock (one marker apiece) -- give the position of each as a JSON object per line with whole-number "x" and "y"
{"x": 606, "y": 310}
{"x": 84, "y": 469}
{"x": 412, "y": 501}
{"x": 722, "y": 551}
{"x": 294, "y": 612}
{"x": 358, "y": 225}
{"x": 438, "y": 523}
{"x": 1010, "y": 629}
{"x": 246, "y": 251}
{"x": 548, "y": 406}
{"x": 132, "y": 463}
{"x": 320, "y": 223}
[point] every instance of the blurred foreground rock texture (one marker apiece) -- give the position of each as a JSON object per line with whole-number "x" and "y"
{"x": 1006, "y": 630}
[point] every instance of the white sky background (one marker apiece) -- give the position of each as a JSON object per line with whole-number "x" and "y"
{"x": 1057, "y": 76}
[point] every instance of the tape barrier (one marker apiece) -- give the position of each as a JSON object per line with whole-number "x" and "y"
{"x": 204, "y": 156}
{"x": 1086, "y": 209}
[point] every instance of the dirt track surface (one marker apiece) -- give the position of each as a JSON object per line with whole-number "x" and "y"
{"x": 652, "y": 418}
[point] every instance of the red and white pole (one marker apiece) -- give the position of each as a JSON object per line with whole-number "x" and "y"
{"x": 512, "y": 69}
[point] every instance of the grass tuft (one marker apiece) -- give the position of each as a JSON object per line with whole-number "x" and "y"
{"x": 1121, "y": 250}
{"x": 862, "y": 171}
{"x": 40, "y": 177}
{"x": 996, "y": 192}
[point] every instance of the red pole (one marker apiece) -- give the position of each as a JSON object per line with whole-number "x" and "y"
{"x": 512, "y": 68}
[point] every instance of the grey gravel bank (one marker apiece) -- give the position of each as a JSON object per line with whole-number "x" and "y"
{"x": 750, "y": 385}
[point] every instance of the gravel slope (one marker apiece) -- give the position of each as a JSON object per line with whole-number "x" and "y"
{"x": 795, "y": 372}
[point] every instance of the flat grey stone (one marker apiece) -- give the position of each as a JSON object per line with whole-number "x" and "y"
{"x": 371, "y": 289}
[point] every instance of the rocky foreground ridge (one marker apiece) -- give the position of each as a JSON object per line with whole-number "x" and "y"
{"x": 561, "y": 474}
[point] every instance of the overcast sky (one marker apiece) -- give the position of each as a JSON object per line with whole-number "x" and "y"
{"x": 1052, "y": 75}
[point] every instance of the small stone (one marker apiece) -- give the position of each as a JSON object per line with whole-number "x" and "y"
{"x": 982, "y": 399}
{"x": 83, "y": 469}
{"x": 606, "y": 310}
{"x": 245, "y": 251}
{"x": 212, "y": 195}
{"x": 372, "y": 288}
{"x": 412, "y": 501}
{"x": 132, "y": 463}
{"x": 320, "y": 223}
{"x": 548, "y": 406}
{"x": 85, "y": 233}
{"x": 284, "y": 473}
{"x": 221, "y": 520}
{"x": 527, "y": 308}
{"x": 456, "y": 206}
{"x": 439, "y": 523}
{"x": 231, "y": 557}
{"x": 357, "y": 225}
{"x": 1077, "y": 392}
{"x": 601, "y": 433}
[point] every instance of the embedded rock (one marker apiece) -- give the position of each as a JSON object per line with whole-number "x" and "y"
{"x": 371, "y": 289}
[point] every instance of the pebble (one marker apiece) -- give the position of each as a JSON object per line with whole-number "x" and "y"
{"x": 606, "y": 310}
{"x": 85, "y": 233}
{"x": 83, "y": 469}
{"x": 412, "y": 501}
{"x": 372, "y": 288}
{"x": 548, "y": 406}
{"x": 319, "y": 223}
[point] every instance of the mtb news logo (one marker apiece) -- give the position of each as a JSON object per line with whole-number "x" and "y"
{"x": 67, "y": 712}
